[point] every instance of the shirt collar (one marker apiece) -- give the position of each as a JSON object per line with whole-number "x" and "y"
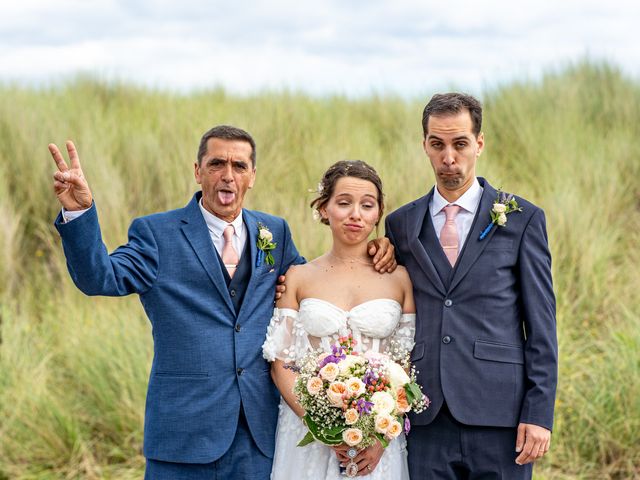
{"x": 469, "y": 200}
{"x": 217, "y": 225}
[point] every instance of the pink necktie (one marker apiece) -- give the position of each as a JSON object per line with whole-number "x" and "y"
{"x": 449, "y": 234}
{"x": 229, "y": 254}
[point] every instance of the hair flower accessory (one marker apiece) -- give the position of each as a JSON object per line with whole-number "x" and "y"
{"x": 504, "y": 205}
{"x": 265, "y": 245}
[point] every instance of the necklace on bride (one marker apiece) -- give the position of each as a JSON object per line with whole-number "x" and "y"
{"x": 352, "y": 260}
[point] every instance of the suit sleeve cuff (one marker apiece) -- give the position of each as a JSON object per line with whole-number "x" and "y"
{"x": 68, "y": 216}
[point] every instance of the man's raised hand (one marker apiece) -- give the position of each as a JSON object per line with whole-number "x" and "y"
{"x": 69, "y": 184}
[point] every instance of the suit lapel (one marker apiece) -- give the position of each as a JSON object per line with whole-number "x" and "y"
{"x": 417, "y": 214}
{"x": 474, "y": 247}
{"x": 196, "y": 232}
{"x": 251, "y": 223}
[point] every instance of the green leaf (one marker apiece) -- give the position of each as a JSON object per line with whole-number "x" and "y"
{"x": 413, "y": 392}
{"x": 383, "y": 441}
{"x": 308, "y": 438}
{"x": 315, "y": 429}
{"x": 332, "y": 432}
{"x": 269, "y": 259}
{"x": 410, "y": 397}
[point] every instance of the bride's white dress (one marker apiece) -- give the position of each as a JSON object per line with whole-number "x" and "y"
{"x": 378, "y": 325}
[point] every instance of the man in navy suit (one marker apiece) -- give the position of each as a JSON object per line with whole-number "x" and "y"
{"x": 486, "y": 347}
{"x": 207, "y": 288}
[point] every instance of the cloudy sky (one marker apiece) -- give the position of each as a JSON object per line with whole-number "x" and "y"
{"x": 408, "y": 47}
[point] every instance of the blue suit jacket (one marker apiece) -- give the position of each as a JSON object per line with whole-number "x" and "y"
{"x": 207, "y": 359}
{"x": 486, "y": 333}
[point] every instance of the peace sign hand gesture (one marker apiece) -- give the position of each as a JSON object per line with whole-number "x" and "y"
{"x": 69, "y": 184}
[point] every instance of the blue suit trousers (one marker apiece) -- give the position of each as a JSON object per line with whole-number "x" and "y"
{"x": 449, "y": 450}
{"x": 243, "y": 461}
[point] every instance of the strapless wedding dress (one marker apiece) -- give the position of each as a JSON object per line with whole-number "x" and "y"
{"x": 377, "y": 325}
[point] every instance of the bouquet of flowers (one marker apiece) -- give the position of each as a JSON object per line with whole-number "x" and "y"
{"x": 356, "y": 399}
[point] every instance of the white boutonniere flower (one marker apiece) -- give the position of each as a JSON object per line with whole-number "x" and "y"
{"x": 265, "y": 245}
{"x": 504, "y": 205}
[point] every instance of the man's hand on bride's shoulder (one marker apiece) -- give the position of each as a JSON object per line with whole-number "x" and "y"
{"x": 281, "y": 287}
{"x": 383, "y": 253}
{"x": 285, "y": 293}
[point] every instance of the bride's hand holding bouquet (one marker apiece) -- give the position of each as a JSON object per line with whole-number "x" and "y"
{"x": 356, "y": 400}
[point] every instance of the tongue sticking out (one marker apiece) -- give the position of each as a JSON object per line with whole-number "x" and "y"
{"x": 226, "y": 198}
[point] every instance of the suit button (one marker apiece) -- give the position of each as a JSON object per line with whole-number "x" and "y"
{"x": 240, "y": 371}
{"x": 238, "y": 328}
{"x": 232, "y": 293}
{"x": 448, "y": 302}
{"x": 446, "y": 339}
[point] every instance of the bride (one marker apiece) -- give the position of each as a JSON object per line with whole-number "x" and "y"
{"x": 336, "y": 294}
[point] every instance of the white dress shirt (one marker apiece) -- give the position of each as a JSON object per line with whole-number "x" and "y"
{"x": 468, "y": 204}
{"x": 215, "y": 225}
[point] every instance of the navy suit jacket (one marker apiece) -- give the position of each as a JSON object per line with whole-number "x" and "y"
{"x": 207, "y": 358}
{"x": 486, "y": 329}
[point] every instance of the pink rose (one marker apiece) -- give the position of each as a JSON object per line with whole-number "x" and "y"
{"x": 329, "y": 372}
{"x": 394, "y": 429}
{"x": 352, "y": 436}
{"x": 336, "y": 393}
{"x": 314, "y": 385}
{"x": 351, "y": 416}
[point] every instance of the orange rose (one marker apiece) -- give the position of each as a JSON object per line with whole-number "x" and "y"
{"x": 402, "y": 404}
{"x": 314, "y": 385}
{"x": 382, "y": 423}
{"x": 335, "y": 393}
{"x": 352, "y": 436}
{"x": 394, "y": 429}
{"x": 351, "y": 416}
{"x": 355, "y": 386}
{"x": 329, "y": 372}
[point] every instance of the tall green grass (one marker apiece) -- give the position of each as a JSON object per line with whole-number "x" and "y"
{"x": 73, "y": 369}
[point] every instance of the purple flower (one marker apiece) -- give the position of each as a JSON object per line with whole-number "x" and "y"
{"x": 293, "y": 368}
{"x": 369, "y": 377}
{"x": 335, "y": 358}
{"x": 363, "y": 406}
{"x": 338, "y": 354}
{"x": 327, "y": 359}
{"x": 407, "y": 425}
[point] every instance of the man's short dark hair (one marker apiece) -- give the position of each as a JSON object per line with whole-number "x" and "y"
{"x": 226, "y": 132}
{"x": 443, "y": 104}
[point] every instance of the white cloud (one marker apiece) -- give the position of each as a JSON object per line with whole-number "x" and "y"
{"x": 410, "y": 47}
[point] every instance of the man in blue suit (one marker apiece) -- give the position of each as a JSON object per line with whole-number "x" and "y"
{"x": 486, "y": 347}
{"x": 206, "y": 276}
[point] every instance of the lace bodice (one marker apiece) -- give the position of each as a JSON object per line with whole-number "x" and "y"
{"x": 378, "y": 325}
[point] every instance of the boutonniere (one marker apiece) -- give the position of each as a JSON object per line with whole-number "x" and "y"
{"x": 265, "y": 245}
{"x": 503, "y": 206}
